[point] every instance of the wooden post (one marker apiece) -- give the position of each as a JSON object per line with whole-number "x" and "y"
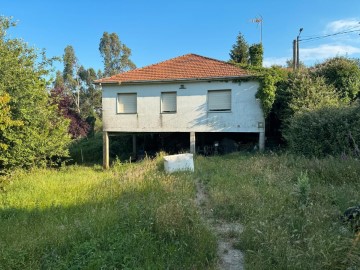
{"x": 261, "y": 141}
{"x": 134, "y": 145}
{"x": 105, "y": 150}
{"x": 192, "y": 143}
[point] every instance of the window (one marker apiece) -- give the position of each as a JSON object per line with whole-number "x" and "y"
{"x": 168, "y": 102}
{"x": 219, "y": 100}
{"x": 127, "y": 103}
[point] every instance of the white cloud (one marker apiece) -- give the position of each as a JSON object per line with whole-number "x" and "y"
{"x": 279, "y": 61}
{"x": 341, "y": 25}
{"x": 326, "y": 51}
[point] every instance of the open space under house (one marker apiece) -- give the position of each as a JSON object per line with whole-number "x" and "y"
{"x": 199, "y": 100}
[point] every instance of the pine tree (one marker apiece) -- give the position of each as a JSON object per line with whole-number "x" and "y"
{"x": 240, "y": 51}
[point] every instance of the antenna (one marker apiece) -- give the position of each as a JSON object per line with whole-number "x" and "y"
{"x": 258, "y": 21}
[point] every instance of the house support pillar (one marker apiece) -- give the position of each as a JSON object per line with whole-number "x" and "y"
{"x": 105, "y": 150}
{"x": 261, "y": 141}
{"x": 192, "y": 143}
{"x": 134, "y": 145}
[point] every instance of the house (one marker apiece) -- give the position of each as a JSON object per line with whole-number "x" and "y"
{"x": 189, "y": 93}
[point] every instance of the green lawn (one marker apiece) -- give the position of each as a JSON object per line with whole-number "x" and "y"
{"x": 135, "y": 216}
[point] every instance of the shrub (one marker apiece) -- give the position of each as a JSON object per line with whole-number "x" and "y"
{"x": 326, "y": 131}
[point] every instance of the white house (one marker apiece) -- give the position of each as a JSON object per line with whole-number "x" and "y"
{"x": 190, "y": 93}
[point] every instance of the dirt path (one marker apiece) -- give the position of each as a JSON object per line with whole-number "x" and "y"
{"x": 230, "y": 258}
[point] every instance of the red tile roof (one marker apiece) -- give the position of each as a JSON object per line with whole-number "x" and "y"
{"x": 186, "y": 67}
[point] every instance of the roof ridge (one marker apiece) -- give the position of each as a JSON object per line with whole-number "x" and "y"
{"x": 189, "y": 65}
{"x": 151, "y": 65}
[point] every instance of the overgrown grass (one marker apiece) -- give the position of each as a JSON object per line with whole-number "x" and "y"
{"x": 289, "y": 206}
{"x": 133, "y": 216}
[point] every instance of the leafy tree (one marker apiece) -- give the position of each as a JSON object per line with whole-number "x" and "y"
{"x": 116, "y": 55}
{"x": 256, "y": 53}
{"x": 303, "y": 92}
{"x": 70, "y": 62}
{"x": 6, "y": 121}
{"x": 240, "y": 51}
{"x": 343, "y": 73}
{"x": 78, "y": 127}
{"x": 90, "y": 94}
{"x": 270, "y": 78}
{"x": 59, "y": 80}
{"x": 42, "y": 134}
{"x": 70, "y": 75}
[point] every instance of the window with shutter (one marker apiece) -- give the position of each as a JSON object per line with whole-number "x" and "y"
{"x": 219, "y": 100}
{"x": 168, "y": 102}
{"x": 127, "y": 103}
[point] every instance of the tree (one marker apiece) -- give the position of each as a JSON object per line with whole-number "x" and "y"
{"x": 42, "y": 134}
{"x": 59, "y": 80}
{"x": 303, "y": 92}
{"x": 343, "y": 73}
{"x": 77, "y": 127}
{"x": 240, "y": 51}
{"x": 256, "y": 53}
{"x": 6, "y": 121}
{"x": 70, "y": 75}
{"x": 116, "y": 55}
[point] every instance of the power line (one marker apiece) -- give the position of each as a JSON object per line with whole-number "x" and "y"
{"x": 348, "y": 29}
{"x": 329, "y": 35}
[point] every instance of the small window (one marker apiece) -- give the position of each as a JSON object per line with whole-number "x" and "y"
{"x": 219, "y": 100}
{"x": 127, "y": 103}
{"x": 168, "y": 102}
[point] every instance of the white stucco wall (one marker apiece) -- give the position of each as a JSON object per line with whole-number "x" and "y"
{"x": 192, "y": 112}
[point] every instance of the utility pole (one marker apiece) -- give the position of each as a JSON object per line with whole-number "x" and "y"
{"x": 295, "y": 56}
{"x": 297, "y": 49}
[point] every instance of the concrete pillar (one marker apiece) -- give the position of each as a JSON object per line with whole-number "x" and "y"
{"x": 134, "y": 145}
{"x": 192, "y": 143}
{"x": 105, "y": 150}
{"x": 261, "y": 141}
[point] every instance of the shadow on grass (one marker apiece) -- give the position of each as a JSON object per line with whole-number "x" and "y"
{"x": 145, "y": 227}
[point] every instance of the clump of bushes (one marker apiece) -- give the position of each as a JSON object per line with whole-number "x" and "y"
{"x": 326, "y": 131}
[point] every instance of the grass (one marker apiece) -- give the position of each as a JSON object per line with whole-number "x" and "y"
{"x": 133, "y": 216}
{"x": 289, "y": 206}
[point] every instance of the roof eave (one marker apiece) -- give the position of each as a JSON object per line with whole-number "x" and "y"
{"x": 247, "y": 76}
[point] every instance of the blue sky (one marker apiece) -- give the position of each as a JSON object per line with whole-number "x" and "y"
{"x": 159, "y": 30}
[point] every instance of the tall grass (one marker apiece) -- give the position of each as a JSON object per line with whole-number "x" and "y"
{"x": 133, "y": 216}
{"x": 289, "y": 206}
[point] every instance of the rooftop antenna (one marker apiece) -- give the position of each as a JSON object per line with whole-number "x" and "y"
{"x": 258, "y": 20}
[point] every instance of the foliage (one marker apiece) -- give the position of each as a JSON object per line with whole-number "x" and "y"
{"x": 303, "y": 92}
{"x": 89, "y": 150}
{"x": 256, "y": 53}
{"x": 343, "y": 73}
{"x": 77, "y": 127}
{"x": 326, "y": 131}
{"x": 269, "y": 80}
{"x": 133, "y": 216}
{"x": 78, "y": 99}
{"x": 90, "y": 94}
{"x": 43, "y": 133}
{"x": 116, "y": 55}
{"x": 70, "y": 63}
{"x": 240, "y": 51}
{"x": 267, "y": 198}
{"x": 6, "y": 122}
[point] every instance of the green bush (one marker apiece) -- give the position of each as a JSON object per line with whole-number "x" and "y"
{"x": 326, "y": 131}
